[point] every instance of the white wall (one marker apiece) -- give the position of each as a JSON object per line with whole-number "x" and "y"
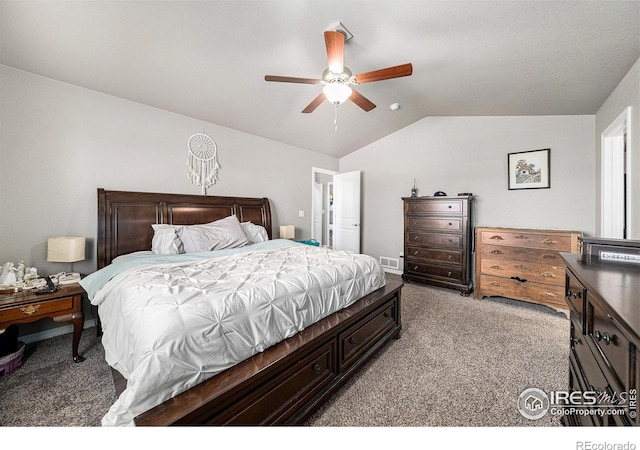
{"x": 469, "y": 154}
{"x": 59, "y": 143}
{"x": 626, "y": 94}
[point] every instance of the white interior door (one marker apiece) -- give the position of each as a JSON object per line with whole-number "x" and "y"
{"x": 318, "y": 199}
{"x": 346, "y": 189}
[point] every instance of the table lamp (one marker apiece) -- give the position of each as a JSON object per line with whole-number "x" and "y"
{"x": 65, "y": 249}
{"x": 287, "y": 231}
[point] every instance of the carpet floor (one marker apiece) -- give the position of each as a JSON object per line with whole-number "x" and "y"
{"x": 458, "y": 362}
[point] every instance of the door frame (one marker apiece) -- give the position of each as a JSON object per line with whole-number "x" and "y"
{"x": 614, "y": 187}
{"x": 315, "y": 171}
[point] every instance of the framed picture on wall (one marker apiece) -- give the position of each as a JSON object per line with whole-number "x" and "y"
{"x": 529, "y": 170}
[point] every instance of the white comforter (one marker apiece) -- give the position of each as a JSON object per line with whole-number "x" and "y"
{"x": 168, "y": 327}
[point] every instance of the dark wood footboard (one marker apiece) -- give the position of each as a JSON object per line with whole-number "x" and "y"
{"x": 287, "y": 383}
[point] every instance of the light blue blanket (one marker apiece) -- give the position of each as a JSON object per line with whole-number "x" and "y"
{"x": 95, "y": 281}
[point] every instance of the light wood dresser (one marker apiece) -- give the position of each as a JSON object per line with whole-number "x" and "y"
{"x": 523, "y": 264}
{"x": 437, "y": 241}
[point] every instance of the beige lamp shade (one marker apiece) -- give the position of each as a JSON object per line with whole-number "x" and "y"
{"x": 65, "y": 249}
{"x": 287, "y": 231}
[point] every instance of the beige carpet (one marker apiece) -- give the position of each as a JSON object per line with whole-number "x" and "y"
{"x": 459, "y": 362}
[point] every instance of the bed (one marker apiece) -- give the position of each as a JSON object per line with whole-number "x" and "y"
{"x": 292, "y": 341}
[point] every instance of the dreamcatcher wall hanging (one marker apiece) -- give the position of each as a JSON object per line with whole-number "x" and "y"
{"x": 202, "y": 161}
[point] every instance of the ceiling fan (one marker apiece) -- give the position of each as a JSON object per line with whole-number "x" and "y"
{"x": 338, "y": 79}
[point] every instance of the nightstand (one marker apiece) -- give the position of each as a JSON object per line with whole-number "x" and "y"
{"x": 64, "y": 305}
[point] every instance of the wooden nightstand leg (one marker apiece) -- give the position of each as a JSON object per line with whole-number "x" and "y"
{"x": 78, "y": 322}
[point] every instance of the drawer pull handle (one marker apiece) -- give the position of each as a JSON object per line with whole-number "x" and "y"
{"x": 521, "y": 280}
{"x": 496, "y": 252}
{"x": 450, "y": 257}
{"x": 549, "y": 294}
{"x": 521, "y": 266}
{"x": 386, "y": 314}
{"x": 450, "y": 207}
{"x": 550, "y": 242}
{"x": 450, "y": 224}
{"x": 28, "y": 310}
{"x": 522, "y": 237}
{"x": 548, "y": 275}
{"x": 415, "y": 238}
{"x": 416, "y": 252}
{"x": 603, "y": 337}
{"x": 415, "y": 267}
{"x": 317, "y": 369}
{"x": 574, "y": 294}
{"x": 449, "y": 273}
{"x": 576, "y": 341}
{"x": 497, "y": 238}
{"x": 495, "y": 283}
{"x": 549, "y": 257}
{"x": 497, "y": 267}
{"x": 353, "y": 341}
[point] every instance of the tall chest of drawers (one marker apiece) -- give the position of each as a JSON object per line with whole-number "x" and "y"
{"x": 523, "y": 264}
{"x": 437, "y": 241}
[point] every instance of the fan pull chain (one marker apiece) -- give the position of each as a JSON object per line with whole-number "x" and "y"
{"x": 335, "y": 118}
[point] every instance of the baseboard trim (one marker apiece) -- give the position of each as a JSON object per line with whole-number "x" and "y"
{"x": 394, "y": 271}
{"x": 54, "y": 332}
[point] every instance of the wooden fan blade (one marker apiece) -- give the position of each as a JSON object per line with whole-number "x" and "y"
{"x": 291, "y": 79}
{"x": 315, "y": 103}
{"x": 403, "y": 70}
{"x": 362, "y": 101}
{"x": 334, "y": 40}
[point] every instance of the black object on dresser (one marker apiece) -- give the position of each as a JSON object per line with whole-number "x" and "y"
{"x": 602, "y": 294}
{"x": 437, "y": 241}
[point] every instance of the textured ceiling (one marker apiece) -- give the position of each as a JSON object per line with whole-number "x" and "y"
{"x": 207, "y": 60}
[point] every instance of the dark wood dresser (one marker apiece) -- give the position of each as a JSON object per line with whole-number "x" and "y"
{"x": 604, "y": 301}
{"x": 523, "y": 264}
{"x": 438, "y": 241}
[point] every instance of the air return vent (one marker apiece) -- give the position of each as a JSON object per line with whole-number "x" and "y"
{"x": 389, "y": 263}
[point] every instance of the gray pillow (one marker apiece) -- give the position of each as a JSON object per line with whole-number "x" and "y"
{"x": 223, "y": 233}
{"x": 255, "y": 233}
{"x": 165, "y": 240}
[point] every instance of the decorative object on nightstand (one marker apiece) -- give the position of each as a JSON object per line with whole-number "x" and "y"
{"x": 287, "y": 232}
{"x": 414, "y": 189}
{"x": 8, "y": 274}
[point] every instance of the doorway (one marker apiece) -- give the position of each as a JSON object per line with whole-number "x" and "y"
{"x": 614, "y": 164}
{"x": 322, "y": 205}
{"x": 335, "y": 204}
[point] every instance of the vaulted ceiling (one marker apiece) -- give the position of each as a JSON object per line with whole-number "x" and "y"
{"x": 208, "y": 59}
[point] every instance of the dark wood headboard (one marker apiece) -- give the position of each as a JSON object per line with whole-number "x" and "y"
{"x": 125, "y": 218}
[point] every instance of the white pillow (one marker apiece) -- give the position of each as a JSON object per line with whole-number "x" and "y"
{"x": 223, "y": 233}
{"x": 255, "y": 233}
{"x": 165, "y": 240}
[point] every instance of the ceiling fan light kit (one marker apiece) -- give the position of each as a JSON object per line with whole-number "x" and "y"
{"x": 337, "y": 92}
{"x": 338, "y": 79}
